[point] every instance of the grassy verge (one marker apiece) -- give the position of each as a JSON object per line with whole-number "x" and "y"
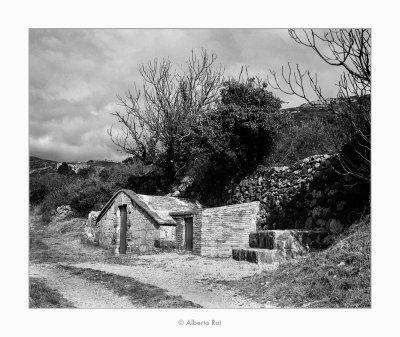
{"x": 41, "y": 296}
{"x": 339, "y": 277}
{"x": 141, "y": 294}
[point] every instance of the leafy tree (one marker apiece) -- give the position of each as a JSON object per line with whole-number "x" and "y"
{"x": 64, "y": 169}
{"x": 240, "y": 129}
{"x": 85, "y": 172}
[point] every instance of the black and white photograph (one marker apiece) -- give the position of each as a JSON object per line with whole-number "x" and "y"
{"x": 208, "y": 168}
{"x": 213, "y": 168}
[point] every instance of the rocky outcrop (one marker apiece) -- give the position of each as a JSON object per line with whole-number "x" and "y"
{"x": 308, "y": 195}
{"x": 184, "y": 184}
{"x": 88, "y": 234}
{"x": 61, "y": 213}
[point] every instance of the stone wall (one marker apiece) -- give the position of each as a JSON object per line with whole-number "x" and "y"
{"x": 168, "y": 233}
{"x": 308, "y": 195}
{"x": 217, "y": 230}
{"x": 142, "y": 231}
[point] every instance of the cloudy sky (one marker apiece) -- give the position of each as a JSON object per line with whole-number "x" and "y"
{"x": 75, "y": 75}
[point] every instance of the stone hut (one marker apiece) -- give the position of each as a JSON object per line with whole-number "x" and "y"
{"x": 131, "y": 222}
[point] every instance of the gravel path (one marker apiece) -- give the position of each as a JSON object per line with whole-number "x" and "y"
{"x": 194, "y": 278}
{"x": 80, "y": 292}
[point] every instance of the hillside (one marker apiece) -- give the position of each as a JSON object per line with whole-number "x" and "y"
{"x": 327, "y": 112}
{"x": 41, "y": 166}
{"x": 338, "y": 277}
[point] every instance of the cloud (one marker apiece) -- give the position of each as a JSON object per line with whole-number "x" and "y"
{"x": 75, "y": 74}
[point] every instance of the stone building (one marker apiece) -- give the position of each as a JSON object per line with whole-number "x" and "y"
{"x": 131, "y": 222}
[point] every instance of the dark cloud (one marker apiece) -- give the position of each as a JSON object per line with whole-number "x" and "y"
{"x": 75, "y": 74}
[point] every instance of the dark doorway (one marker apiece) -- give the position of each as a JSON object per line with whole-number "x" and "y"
{"x": 122, "y": 231}
{"x": 189, "y": 233}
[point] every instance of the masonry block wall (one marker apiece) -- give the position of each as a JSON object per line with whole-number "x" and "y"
{"x": 197, "y": 230}
{"x": 217, "y": 230}
{"x": 167, "y": 233}
{"x": 142, "y": 230}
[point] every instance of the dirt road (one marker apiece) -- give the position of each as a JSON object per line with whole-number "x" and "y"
{"x": 194, "y": 278}
{"x": 176, "y": 277}
{"x": 80, "y": 292}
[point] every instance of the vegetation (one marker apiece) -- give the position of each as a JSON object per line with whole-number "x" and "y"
{"x": 193, "y": 122}
{"x": 91, "y": 188}
{"x": 349, "y": 49}
{"x": 41, "y": 296}
{"x": 157, "y": 120}
{"x": 298, "y": 138}
{"x": 339, "y": 277}
{"x": 64, "y": 169}
{"x": 241, "y": 129}
{"x": 141, "y": 294}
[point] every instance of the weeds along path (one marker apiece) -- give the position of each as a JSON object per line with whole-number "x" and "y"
{"x": 79, "y": 291}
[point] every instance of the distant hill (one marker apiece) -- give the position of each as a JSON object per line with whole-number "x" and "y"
{"x": 319, "y": 109}
{"x": 41, "y": 165}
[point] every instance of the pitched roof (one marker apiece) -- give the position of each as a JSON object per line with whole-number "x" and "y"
{"x": 157, "y": 207}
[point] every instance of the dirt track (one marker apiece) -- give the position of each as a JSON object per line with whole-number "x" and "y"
{"x": 80, "y": 292}
{"x": 194, "y": 278}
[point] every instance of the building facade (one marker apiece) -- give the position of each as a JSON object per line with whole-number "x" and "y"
{"x": 131, "y": 222}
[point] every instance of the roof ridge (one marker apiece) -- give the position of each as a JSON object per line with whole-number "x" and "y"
{"x": 144, "y": 205}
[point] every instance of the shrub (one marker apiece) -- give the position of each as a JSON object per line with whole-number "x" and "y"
{"x": 151, "y": 183}
{"x": 85, "y": 172}
{"x": 64, "y": 169}
{"x": 239, "y": 131}
{"x": 88, "y": 195}
{"x": 210, "y": 174}
{"x": 40, "y": 186}
{"x": 104, "y": 175}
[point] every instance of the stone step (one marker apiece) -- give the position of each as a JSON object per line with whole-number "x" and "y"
{"x": 260, "y": 255}
{"x": 289, "y": 239}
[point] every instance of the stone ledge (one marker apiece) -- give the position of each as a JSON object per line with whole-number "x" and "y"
{"x": 258, "y": 255}
{"x": 295, "y": 240}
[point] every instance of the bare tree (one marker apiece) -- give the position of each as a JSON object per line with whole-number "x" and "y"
{"x": 349, "y": 49}
{"x": 156, "y": 120}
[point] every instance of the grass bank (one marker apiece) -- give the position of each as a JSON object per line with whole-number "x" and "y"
{"x": 41, "y": 296}
{"x": 339, "y": 277}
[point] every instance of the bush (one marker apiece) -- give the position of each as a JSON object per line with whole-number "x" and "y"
{"x": 88, "y": 190}
{"x": 152, "y": 183}
{"x": 88, "y": 195}
{"x": 239, "y": 130}
{"x": 37, "y": 191}
{"x": 64, "y": 169}
{"x": 210, "y": 174}
{"x": 40, "y": 186}
{"x": 85, "y": 172}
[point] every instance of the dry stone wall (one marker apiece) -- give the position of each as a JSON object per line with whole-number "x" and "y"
{"x": 308, "y": 195}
